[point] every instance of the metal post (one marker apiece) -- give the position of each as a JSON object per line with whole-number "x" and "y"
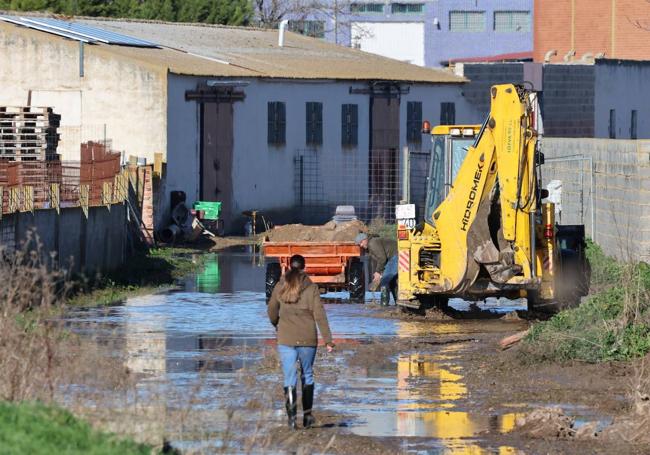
{"x": 591, "y": 196}
{"x": 81, "y": 59}
{"x": 405, "y": 176}
{"x": 302, "y": 181}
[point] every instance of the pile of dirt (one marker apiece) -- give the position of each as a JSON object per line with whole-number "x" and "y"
{"x": 329, "y": 232}
{"x": 552, "y": 423}
{"x": 546, "y": 423}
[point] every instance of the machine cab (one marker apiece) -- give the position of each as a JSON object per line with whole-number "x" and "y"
{"x": 449, "y": 146}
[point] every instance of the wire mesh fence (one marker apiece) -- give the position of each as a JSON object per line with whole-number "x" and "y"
{"x": 372, "y": 183}
{"x": 96, "y": 179}
{"x": 570, "y": 181}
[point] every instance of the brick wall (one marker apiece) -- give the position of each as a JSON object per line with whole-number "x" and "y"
{"x": 619, "y": 185}
{"x": 622, "y": 32}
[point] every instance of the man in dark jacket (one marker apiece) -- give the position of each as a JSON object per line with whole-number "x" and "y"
{"x": 383, "y": 263}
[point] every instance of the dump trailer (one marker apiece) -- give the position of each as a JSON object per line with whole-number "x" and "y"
{"x": 485, "y": 231}
{"x": 333, "y": 266}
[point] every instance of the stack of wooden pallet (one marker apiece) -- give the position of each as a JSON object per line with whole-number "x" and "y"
{"x": 28, "y": 133}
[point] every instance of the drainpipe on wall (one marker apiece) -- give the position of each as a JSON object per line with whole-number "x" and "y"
{"x": 283, "y": 25}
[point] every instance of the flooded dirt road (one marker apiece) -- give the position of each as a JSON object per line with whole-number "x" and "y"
{"x": 208, "y": 377}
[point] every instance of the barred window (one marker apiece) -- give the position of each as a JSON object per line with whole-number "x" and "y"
{"x": 447, "y": 113}
{"x": 315, "y": 29}
{"x": 349, "y": 125}
{"x": 277, "y": 123}
{"x": 512, "y": 21}
{"x": 467, "y": 21}
{"x": 402, "y": 8}
{"x": 314, "y": 130}
{"x": 367, "y": 8}
{"x": 414, "y": 122}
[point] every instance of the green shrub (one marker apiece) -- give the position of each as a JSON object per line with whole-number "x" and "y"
{"x": 611, "y": 324}
{"x": 33, "y": 428}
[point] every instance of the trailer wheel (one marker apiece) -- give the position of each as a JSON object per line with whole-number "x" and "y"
{"x": 356, "y": 281}
{"x": 273, "y": 274}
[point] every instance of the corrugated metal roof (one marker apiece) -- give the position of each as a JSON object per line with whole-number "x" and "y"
{"x": 221, "y": 51}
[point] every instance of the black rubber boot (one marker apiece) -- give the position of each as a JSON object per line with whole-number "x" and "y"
{"x": 290, "y": 396}
{"x": 385, "y": 296}
{"x": 307, "y": 402}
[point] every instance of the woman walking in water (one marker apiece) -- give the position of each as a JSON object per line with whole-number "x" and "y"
{"x": 295, "y": 309}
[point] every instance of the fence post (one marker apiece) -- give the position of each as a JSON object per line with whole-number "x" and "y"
{"x": 107, "y": 194}
{"x": 28, "y": 199}
{"x": 2, "y": 200}
{"x": 405, "y": 175}
{"x": 55, "y": 197}
{"x": 83, "y": 198}
{"x": 13, "y": 200}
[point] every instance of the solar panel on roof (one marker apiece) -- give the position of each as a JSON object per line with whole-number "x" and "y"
{"x": 77, "y": 31}
{"x": 21, "y": 21}
{"x": 98, "y": 34}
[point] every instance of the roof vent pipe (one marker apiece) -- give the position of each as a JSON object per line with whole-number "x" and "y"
{"x": 549, "y": 54}
{"x": 283, "y": 25}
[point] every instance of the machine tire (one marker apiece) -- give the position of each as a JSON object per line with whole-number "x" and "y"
{"x": 273, "y": 274}
{"x": 356, "y": 281}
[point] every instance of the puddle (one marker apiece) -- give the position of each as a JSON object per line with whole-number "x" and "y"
{"x": 214, "y": 326}
{"x": 420, "y": 396}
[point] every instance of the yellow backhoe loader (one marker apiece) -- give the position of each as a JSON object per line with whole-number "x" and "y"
{"x": 485, "y": 230}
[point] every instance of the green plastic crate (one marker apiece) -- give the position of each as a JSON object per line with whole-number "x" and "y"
{"x": 211, "y": 210}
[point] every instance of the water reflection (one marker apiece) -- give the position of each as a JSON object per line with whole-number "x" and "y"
{"x": 209, "y": 280}
{"x": 430, "y": 397}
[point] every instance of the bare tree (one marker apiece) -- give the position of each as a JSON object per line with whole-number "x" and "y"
{"x": 335, "y": 14}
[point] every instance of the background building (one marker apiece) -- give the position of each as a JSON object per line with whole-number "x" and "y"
{"x": 426, "y": 33}
{"x": 237, "y": 117}
{"x": 571, "y": 29}
{"x": 604, "y": 98}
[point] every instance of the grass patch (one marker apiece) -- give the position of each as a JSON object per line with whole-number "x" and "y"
{"x": 142, "y": 273}
{"x": 612, "y": 324}
{"x": 38, "y": 429}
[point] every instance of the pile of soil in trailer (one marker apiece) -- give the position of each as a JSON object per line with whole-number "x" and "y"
{"x": 328, "y": 232}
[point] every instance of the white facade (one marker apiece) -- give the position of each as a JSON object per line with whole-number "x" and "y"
{"x": 132, "y": 98}
{"x": 115, "y": 98}
{"x": 263, "y": 174}
{"x": 402, "y": 41}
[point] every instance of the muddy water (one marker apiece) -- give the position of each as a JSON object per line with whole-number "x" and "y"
{"x": 220, "y": 315}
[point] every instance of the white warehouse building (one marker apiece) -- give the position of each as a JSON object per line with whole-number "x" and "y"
{"x": 238, "y": 117}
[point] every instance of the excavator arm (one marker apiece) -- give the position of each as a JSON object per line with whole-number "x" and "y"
{"x": 485, "y": 220}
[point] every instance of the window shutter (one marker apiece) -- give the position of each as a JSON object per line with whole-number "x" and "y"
{"x": 345, "y": 122}
{"x": 270, "y": 136}
{"x": 281, "y": 123}
{"x": 354, "y": 124}
{"x": 319, "y": 123}
{"x": 308, "y": 125}
{"x": 314, "y": 124}
{"x": 413, "y": 121}
{"x": 447, "y": 113}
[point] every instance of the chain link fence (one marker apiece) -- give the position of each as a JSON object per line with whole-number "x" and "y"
{"x": 372, "y": 183}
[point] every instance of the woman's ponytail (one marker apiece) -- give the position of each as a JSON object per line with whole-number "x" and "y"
{"x": 293, "y": 279}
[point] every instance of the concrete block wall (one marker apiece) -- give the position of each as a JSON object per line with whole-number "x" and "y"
{"x": 89, "y": 245}
{"x": 619, "y": 185}
{"x": 483, "y": 76}
{"x": 568, "y": 100}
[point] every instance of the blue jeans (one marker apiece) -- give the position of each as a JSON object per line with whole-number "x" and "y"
{"x": 390, "y": 272}
{"x": 289, "y": 355}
